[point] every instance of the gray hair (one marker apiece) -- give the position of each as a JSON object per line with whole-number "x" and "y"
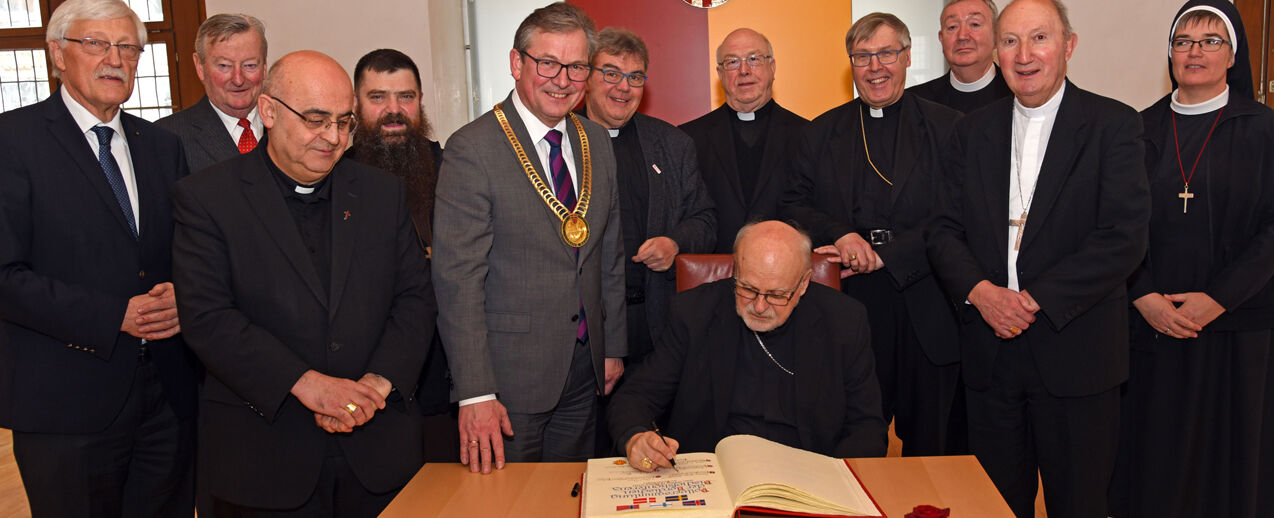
{"x": 867, "y": 26}
{"x": 219, "y": 27}
{"x": 990, "y": 4}
{"x": 556, "y": 18}
{"x": 620, "y": 42}
{"x": 82, "y": 10}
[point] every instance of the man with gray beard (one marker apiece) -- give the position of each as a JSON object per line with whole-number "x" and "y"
{"x": 393, "y": 134}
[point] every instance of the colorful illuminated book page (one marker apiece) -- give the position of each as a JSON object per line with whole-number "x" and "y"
{"x": 745, "y": 472}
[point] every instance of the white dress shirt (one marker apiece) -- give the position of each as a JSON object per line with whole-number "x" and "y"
{"x": 233, "y": 127}
{"x": 85, "y": 121}
{"x": 1031, "y": 129}
{"x": 537, "y": 130}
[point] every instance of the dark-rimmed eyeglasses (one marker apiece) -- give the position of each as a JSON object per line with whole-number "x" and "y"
{"x": 1207, "y": 44}
{"x": 549, "y": 69}
{"x": 612, "y": 76}
{"x": 317, "y": 122}
{"x": 886, "y": 57}
{"x": 753, "y": 61}
{"x": 749, "y": 293}
{"x": 96, "y": 47}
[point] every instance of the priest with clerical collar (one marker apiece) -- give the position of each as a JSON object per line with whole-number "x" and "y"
{"x": 1042, "y": 216}
{"x": 766, "y": 353}
{"x": 864, "y": 182}
{"x": 967, "y": 33}
{"x": 744, "y": 145}
{"x": 1204, "y": 296}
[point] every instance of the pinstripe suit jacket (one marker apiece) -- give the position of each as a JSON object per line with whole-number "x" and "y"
{"x": 202, "y": 134}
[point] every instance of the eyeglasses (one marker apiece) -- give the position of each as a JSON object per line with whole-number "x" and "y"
{"x": 774, "y": 299}
{"x": 549, "y": 69}
{"x": 886, "y": 57}
{"x": 1207, "y": 44}
{"x": 612, "y": 76}
{"x": 317, "y": 122}
{"x": 95, "y": 47}
{"x": 753, "y": 61}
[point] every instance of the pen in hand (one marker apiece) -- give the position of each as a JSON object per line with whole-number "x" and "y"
{"x": 672, "y": 461}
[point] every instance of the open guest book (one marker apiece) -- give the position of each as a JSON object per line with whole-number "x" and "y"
{"x": 746, "y": 473}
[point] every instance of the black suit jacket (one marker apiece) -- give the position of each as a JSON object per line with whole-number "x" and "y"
{"x": 1086, "y": 232}
{"x": 678, "y": 207}
{"x": 252, "y": 309}
{"x": 715, "y": 142}
{"x": 821, "y": 198}
{"x": 692, "y": 371}
{"x": 203, "y": 136}
{"x": 69, "y": 264}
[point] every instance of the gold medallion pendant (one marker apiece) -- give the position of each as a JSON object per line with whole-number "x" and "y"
{"x": 574, "y": 230}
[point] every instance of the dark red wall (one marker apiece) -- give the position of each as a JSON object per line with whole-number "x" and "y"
{"x": 677, "y": 36}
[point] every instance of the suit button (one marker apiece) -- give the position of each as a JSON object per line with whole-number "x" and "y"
{"x": 575, "y": 317}
{"x": 334, "y": 347}
{"x": 141, "y": 274}
{"x": 581, "y": 271}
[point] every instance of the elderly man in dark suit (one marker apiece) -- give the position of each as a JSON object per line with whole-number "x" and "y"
{"x": 1043, "y": 216}
{"x": 98, "y": 390}
{"x": 864, "y": 184}
{"x": 765, "y": 353}
{"x": 529, "y": 258}
{"x": 230, "y": 61}
{"x": 744, "y": 145}
{"x": 310, "y": 305}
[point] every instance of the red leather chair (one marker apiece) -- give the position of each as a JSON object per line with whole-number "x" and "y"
{"x": 696, "y": 269}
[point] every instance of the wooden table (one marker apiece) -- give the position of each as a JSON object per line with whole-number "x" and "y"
{"x": 543, "y": 489}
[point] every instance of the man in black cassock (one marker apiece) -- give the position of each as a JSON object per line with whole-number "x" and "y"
{"x": 864, "y": 184}
{"x": 744, "y": 146}
{"x": 1044, "y": 212}
{"x": 1193, "y": 404}
{"x": 967, "y": 33}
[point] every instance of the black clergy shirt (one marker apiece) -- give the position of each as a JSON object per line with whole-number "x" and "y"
{"x": 313, "y": 216}
{"x": 634, "y": 191}
{"x": 749, "y": 145}
{"x": 764, "y": 399}
{"x": 872, "y": 206}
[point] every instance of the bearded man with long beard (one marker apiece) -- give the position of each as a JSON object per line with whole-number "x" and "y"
{"x": 393, "y": 134}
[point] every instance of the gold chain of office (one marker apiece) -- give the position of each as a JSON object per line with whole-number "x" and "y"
{"x": 574, "y": 230}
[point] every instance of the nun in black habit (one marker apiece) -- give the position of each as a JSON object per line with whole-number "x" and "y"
{"x": 1193, "y": 406}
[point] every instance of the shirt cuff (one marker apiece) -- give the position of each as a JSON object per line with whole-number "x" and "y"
{"x": 479, "y": 399}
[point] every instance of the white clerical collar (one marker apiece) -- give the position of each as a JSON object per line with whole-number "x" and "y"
{"x": 1210, "y": 105}
{"x": 976, "y": 85}
{"x": 304, "y": 189}
{"x": 534, "y": 127}
{"x": 613, "y": 132}
{"x": 876, "y": 113}
{"x": 746, "y": 116}
{"x": 1048, "y": 109}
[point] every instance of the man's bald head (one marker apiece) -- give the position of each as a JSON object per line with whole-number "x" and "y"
{"x": 772, "y": 259}
{"x": 308, "y": 105}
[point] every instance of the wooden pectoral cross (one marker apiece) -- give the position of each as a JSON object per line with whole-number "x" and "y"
{"x": 1020, "y": 223}
{"x": 1185, "y": 196}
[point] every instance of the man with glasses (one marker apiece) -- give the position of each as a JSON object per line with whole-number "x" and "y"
{"x": 744, "y": 145}
{"x": 765, "y": 353}
{"x": 528, "y": 257}
{"x": 967, "y": 33}
{"x": 94, "y": 379}
{"x": 864, "y": 184}
{"x": 230, "y": 61}
{"x": 305, "y": 293}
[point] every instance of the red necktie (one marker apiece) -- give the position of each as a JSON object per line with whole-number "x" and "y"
{"x": 247, "y": 141}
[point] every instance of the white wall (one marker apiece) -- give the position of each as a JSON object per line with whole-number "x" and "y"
{"x": 493, "y": 24}
{"x": 1123, "y": 48}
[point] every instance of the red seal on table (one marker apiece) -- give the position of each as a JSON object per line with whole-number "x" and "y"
{"x": 705, "y": 3}
{"x": 929, "y": 511}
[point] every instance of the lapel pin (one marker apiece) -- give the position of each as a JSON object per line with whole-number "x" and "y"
{"x": 346, "y": 216}
{"x": 657, "y": 171}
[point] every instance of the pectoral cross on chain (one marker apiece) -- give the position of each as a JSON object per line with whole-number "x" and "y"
{"x": 1185, "y": 198}
{"x": 1020, "y": 223}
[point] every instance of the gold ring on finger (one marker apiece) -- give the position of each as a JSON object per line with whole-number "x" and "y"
{"x": 351, "y": 407}
{"x": 647, "y": 463}
{"x": 853, "y": 257}
{"x": 1014, "y": 330}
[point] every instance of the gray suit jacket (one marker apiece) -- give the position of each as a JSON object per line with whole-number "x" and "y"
{"x": 678, "y": 207}
{"x": 509, "y": 289}
{"x": 202, "y": 135}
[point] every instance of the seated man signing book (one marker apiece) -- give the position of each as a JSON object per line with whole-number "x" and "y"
{"x": 765, "y": 353}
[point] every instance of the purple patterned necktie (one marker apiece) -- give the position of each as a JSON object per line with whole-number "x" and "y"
{"x": 565, "y": 192}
